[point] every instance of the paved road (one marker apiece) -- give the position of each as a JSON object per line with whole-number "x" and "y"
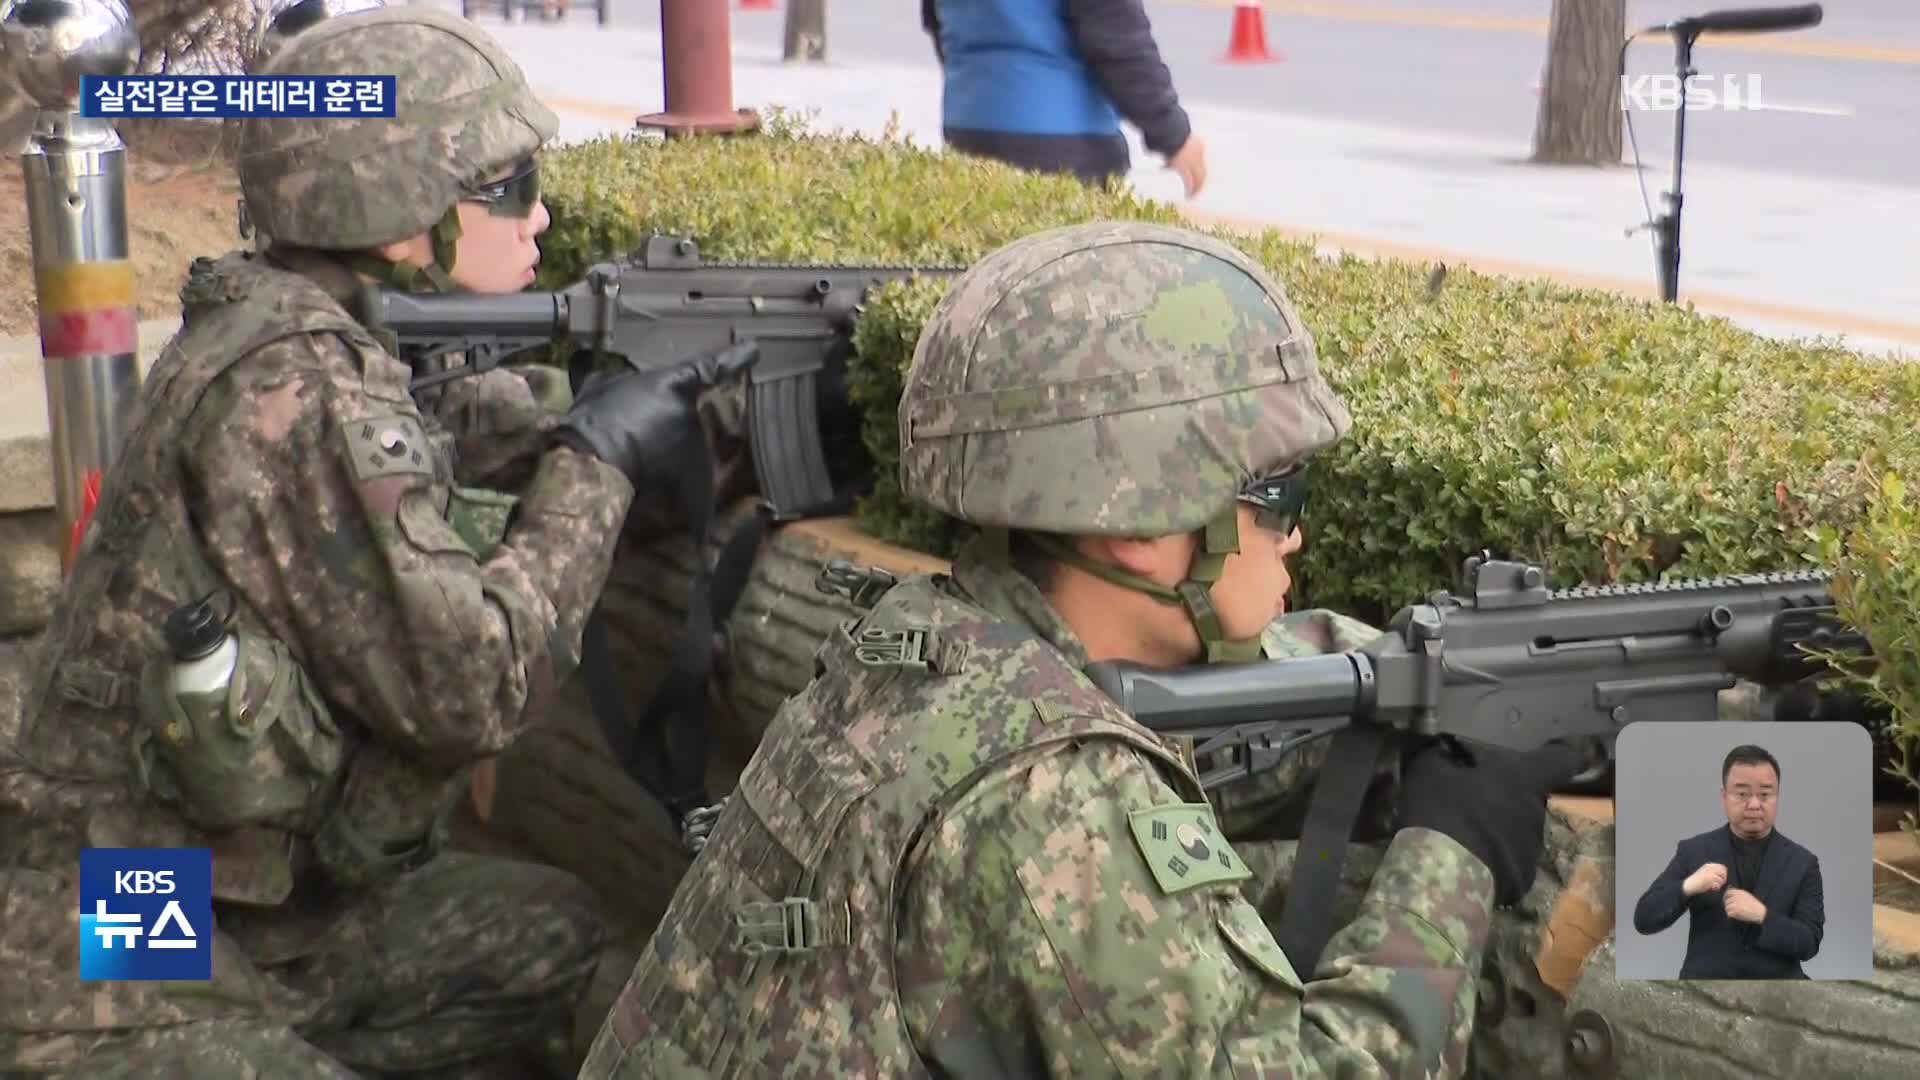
{"x": 1841, "y": 100}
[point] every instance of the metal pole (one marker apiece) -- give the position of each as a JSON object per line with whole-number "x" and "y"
{"x": 75, "y": 170}
{"x": 806, "y": 30}
{"x": 696, "y": 39}
{"x": 1668, "y": 225}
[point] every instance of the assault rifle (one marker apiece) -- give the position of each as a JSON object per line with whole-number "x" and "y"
{"x": 662, "y": 305}
{"x": 1506, "y": 662}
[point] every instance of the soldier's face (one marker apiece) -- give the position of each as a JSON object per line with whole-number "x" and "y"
{"x": 1751, "y": 797}
{"x": 1123, "y": 623}
{"x": 1253, "y": 585}
{"x": 1250, "y": 593}
{"x": 497, "y": 253}
{"x": 497, "y": 249}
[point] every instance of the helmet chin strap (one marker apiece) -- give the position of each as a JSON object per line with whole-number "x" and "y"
{"x": 433, "y": 277}
{"x": 1221, "y": 538}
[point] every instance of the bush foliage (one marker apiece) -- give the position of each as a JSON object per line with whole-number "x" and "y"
{"x": 1615, "y": 440}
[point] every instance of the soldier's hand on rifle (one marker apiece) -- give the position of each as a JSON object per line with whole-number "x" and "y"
{"x": 1710, "y": 876}
{"x": 643, "y": 421}
{"x": 1493, "y": 801}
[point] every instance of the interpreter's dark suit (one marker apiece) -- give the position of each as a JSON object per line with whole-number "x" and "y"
{"x": 1719, "y": 947}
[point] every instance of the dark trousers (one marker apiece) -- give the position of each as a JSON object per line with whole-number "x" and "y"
{"x": 1092, "y": 158}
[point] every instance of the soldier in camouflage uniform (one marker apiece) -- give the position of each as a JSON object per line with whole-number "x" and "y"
{"x": 951, "y": 852}
{"x": 397, "y": 622}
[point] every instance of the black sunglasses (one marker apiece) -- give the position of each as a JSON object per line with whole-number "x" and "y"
{"x": 512, "y": 197}
{"x": 1278, "y": 500}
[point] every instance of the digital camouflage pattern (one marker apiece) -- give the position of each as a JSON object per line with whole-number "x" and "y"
{"x": 467, "y": 960}
{"x": 277, "y": 442}
{"x": 463, "y": 110}
{"x": 1110, "y": 378}
{"x": 499, "y": 420}
{"x": 970, "y": 840}
{"x": 951, "y": 853}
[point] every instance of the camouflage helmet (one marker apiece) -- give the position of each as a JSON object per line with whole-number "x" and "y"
{"x": 287, "y": 18}
{"x": 1113, "y": 378}
{"x": 463, "y": 111}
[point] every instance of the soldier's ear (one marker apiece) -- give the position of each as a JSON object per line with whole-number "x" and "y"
{"x": 417, "y": 251}
{"x": 1161, "y": 559}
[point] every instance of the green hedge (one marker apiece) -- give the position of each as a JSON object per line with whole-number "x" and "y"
{"x": 1617, "y": 440}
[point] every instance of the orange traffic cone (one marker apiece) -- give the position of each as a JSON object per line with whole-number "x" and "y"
{"x": 1249, "y": 42}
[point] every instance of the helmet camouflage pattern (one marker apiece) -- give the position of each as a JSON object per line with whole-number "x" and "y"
{"x": 1117, "y": 378}
{"x": 463, "y": 111}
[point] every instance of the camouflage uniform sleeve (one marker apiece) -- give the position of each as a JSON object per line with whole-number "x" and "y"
{"x": 499, "y": 420}
{"x": 1051, "y": 923}
{"x": 319, "y": 498}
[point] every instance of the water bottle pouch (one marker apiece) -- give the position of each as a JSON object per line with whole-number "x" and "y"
{"x": 257, "y": 752}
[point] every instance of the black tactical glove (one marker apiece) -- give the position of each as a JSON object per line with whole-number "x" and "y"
{"x": 642, "y": 420}
{"x": 1490, "y": 799}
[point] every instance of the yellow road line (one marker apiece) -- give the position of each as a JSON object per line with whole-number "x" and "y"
{"x": 1817, "y": 319}
{"x": 1784, "y": 44}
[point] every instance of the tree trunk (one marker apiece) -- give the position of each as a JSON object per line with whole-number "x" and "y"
{"x": 806, "y": 30}
{"x": 1578, "y": 122}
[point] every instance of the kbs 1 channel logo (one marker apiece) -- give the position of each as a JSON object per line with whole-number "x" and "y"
{"x": 146, "y": 913}
{"x": 216, "y": 96}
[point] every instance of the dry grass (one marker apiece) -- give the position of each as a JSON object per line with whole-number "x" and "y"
{"x": 180, "y": 204}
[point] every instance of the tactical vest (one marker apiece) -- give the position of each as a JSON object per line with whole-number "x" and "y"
{"x": 252, "y": 779}
{"x": 777, "y": 951}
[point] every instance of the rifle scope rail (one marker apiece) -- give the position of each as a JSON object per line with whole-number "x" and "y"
{"x": 904, "y": 267}
{"x": 1816, "y": 579}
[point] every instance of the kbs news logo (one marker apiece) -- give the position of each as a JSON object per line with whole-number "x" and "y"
{"x": 146, "y": 913}
{"x": 1662, "y": 93}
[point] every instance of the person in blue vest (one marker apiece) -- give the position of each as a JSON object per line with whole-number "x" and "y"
{"x": 1044, "y": 85}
